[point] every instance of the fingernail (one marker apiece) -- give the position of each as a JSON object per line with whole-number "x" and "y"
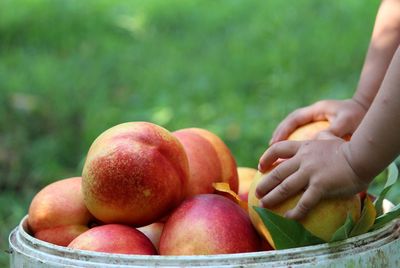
{"x": 258, "y": 194}
{"x": 260, "y": 168}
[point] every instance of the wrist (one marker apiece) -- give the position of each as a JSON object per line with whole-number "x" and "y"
{"x": 362, "y": 102}
{"x": 356, "y": 165}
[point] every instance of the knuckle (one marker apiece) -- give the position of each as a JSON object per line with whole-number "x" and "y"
{"x": 305, "y": 147}
{"x": 309, "y": 165}
{"x": 318, "y": 185}
{"x": 276, "y": 176}
{"x": 303, "y": 207}
{"x": 307, "y": 168}
{"x": 292, "y": 145}
{"x": 284, "y": 189}
{"x": 273, "y": 147}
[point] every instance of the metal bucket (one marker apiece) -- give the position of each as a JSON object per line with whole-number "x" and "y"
{"x": 380, "y": 248}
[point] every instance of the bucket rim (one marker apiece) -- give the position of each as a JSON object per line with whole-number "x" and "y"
{"x": 370, "y": 240}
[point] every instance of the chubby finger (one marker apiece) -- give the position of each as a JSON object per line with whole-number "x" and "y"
{"x": 339, "y": 127}
{"x": 289, "y": 187}
{"x": 308, "y": 201}
{"x": 283, "y": 149}
{"x": 276, "y": 177}
{"x": 294, "y": 120}
{"x": 282, "y": 132}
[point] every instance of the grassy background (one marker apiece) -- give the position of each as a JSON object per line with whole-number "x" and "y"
{"x": 71, "y": 69}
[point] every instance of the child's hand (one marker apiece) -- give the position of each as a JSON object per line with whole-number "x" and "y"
{"x": 343, "y": 115}
{"x": 320, "y": 167}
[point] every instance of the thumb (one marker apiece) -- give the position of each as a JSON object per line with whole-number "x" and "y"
{"x": 339, "y": 128}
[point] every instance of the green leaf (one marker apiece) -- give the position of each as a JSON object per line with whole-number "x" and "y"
{"x": 286, "y": 233}
{"x": 387, "y": 217}
{"x": 344, "y": 231}
{"x": 367, "y": 218}
{"x": 392, "y": 176}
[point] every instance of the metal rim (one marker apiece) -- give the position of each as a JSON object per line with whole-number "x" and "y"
{"x": 21, "y": 241}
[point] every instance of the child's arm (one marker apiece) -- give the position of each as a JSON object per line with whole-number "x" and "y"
{"x": 333, "y": 167}
{"x": 384, "y": 41}
{"x": 346, "y": 115}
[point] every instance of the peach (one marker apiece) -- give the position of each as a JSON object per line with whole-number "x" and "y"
{"x": 226, "y": 159}
{"x": 322, "y": 221}
{"x": 61, "y": 235}
{"x": 57, "y": 213}
{"x": 135, "y": 173}
{"x": 208, "y": 224}
{"x": 204, "y": 164}
{"x": 246, "y": 175}
{"x": 310, "y": 131}
{"x": 153, "y": 232}
{"x": 114, "y": 238}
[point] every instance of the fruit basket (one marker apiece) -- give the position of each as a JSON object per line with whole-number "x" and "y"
{"x": 379, "y": 247}
{"x": 139, "y": 174}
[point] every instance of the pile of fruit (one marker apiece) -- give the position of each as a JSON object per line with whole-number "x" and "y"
{"x": 146, "y": 190}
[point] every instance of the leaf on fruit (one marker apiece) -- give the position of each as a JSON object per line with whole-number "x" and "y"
{"x": 392, "y": 176}
{"x": 343, "y": 232}
{"x": 223, "y": 188}
{"x": 367, "y": 219}
{"x": 387, "y": 217}
{"x": 286, "y": 233}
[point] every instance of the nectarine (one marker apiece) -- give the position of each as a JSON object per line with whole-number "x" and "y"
{"x": 204, "y": 164}
{"x": 208, "y": 224}
{"x": 57, "y": 213}
{"x": 322, "y": 221}
{"x": 114, "y": 238}
{"x": 226, "y": 158}
{"x": 135, "y": 173}
{"x": 246, "y": 175}
{"x": 310, "y": 131}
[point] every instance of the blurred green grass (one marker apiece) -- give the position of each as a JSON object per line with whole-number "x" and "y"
{"x": 71, "y": 69}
